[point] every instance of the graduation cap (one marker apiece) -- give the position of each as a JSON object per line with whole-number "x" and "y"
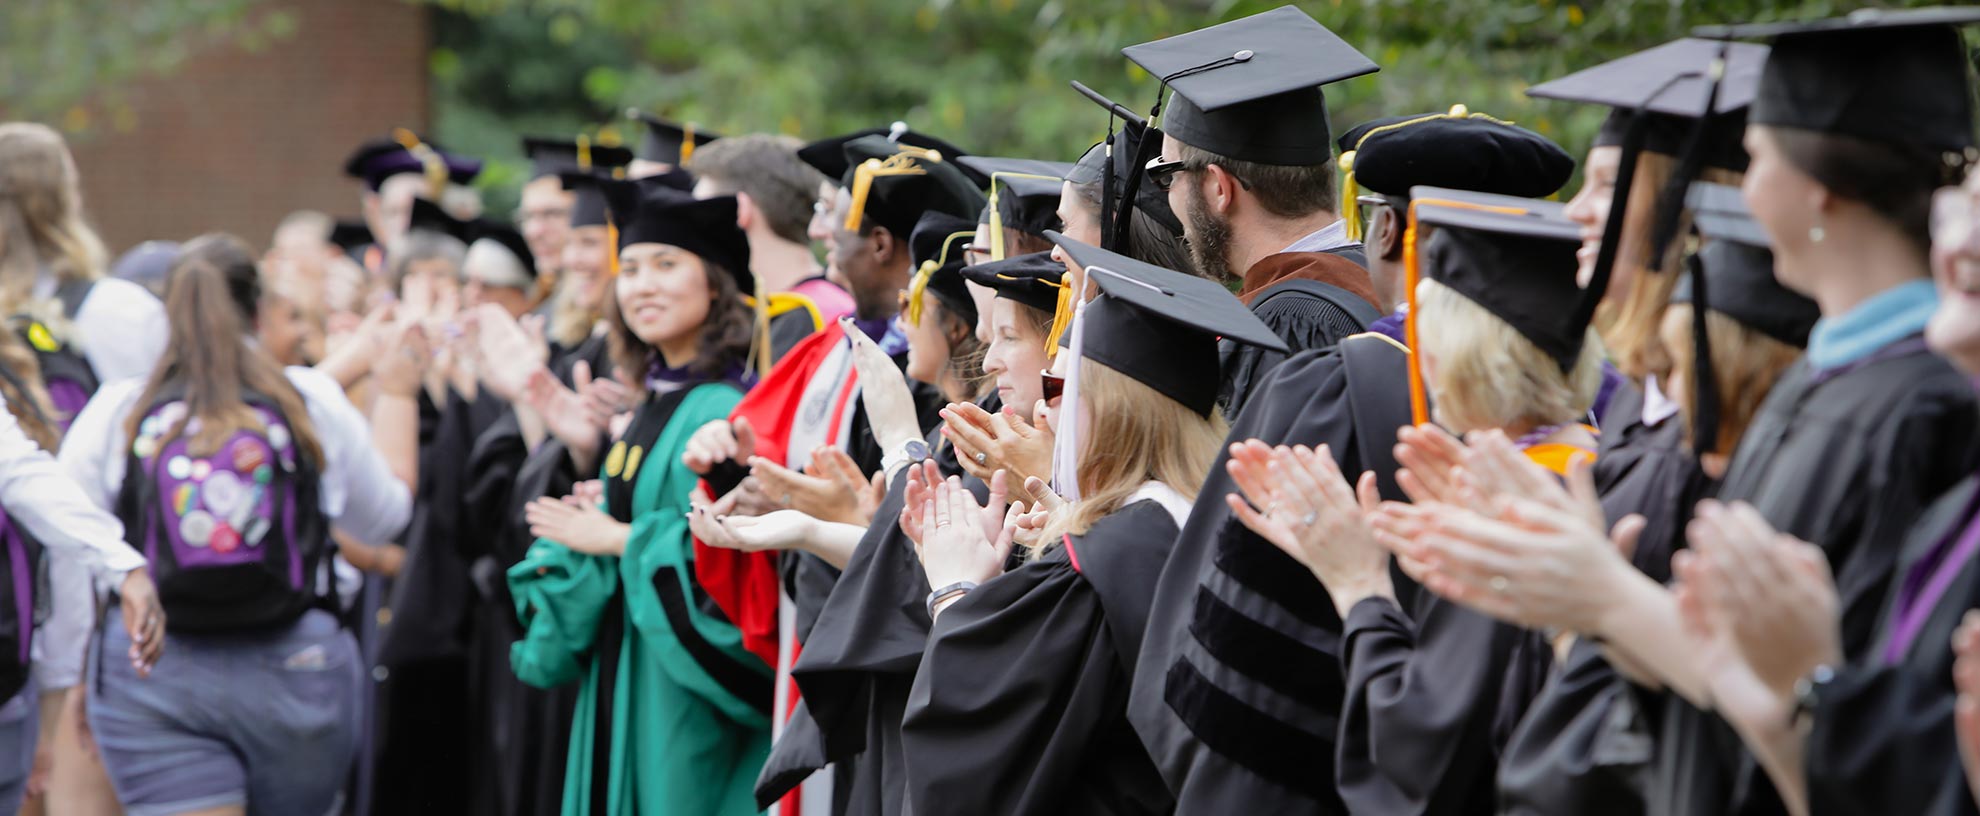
{"x": 1735, "y": 267}
{"x": 379, "y": 159}
{"x": 494, "y": 236}
{"x": 1024, "y": 195}
{"x": 667, "y": 142}
{"x": 937, "y": 247}
{"x": 1119, "y": 164}
{"x": 1034, "y": 280}
{"x": 1160, "y": 327}
{"x": 1457, "y": 150}
{"x": 1515, "y": 257}
{"x": 430, "y": 217}
{"x": 351, "y": 235}
{"x": 556, "y": 156}
{"x": 704, "y": 226}
{"x": 893, "y": 184}
{"x": 828, "y": 155}
{"x": 1249, "y": 89}
{"x": 1897, "y": 77}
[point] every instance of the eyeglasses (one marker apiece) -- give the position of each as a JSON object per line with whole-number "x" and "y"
{"x": 1163, "y": 171}
{"x": 1054, "y": 385}
{"x": 1955, "y": 211}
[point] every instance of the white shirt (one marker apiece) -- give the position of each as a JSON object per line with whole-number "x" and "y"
{"x": 1332, "y": 236}
{"x": 359, "y": 493}
{"x": 121, "y": 327}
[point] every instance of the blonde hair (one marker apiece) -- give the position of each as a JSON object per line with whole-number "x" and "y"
{"x": 1629, "y": 324}
{"x": 570, "y": 322}
{"x": 1135, "y": 434}
{"x": 41, "y": 214}
{"x": 1745, "y": 364}
{"x": 1488, "y": 375}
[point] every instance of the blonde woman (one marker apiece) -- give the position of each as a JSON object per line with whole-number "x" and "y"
{"x": 1020, "y": 704}
{"x": 1432, "y": 690}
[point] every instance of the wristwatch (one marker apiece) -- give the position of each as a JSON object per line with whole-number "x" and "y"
{"x": 914, "y": 451}
{"x": 1808, "y": 694}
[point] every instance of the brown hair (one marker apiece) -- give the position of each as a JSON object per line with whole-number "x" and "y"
{"x": 780, "y": 185}
{"x": 1629, "y": 323}
{"x": 1745, "y": 364}
{"x": 41, "y": 214}
{"x": 726, "y": 333}
{"x": 1287, "y": 191}
{"x": 27, "y": 399}
{"x": 1136, "y": 435}
{"x": 1148, "y": 240}
{"x": 211, "y": 298}
{"x": 1896, "y": 181}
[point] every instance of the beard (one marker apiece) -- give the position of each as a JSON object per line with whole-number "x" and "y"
{"x": 1209, "y": 239}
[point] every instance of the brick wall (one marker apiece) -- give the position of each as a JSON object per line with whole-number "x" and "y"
{"x": 235, "y": 140}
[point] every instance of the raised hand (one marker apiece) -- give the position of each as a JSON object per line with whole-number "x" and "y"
{"x": 1780, "y": 603}
{"x": 986, "y": 442}
{"x": 1429, "y": 457}
{"x": 1966, "y": 707}
{"x": 883, "y": 391}
{"x": 719, "y": 441}
{"x": 506, "y": 355}
{"x": 954, "y": 548}
{"x": 583, "y": 528}
{"x": 566, "y": 417}
{"x": 866, "y": 492}
{"x": 1312, "y": 514}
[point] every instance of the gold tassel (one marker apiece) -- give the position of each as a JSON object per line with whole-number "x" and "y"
{"x": 919, "y": 284}
{"x": 429, "y": 160}
{"x": 760, "y": 305}
{"x": 612, "y": 239}
{"x": 584, "y": 153}
{"x": 1419, "y": 404}
{"x": 997, "y": 212}
{"x": 1349, "y": 192}
{"x": 687, "y": 143}
{"x": 899, "y": 164}
{"x": 1061, "y": 317}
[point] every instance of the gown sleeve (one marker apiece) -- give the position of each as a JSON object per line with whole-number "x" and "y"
{"x": 1016, "y": 676}
{"x": 560, "y": 598}
{"x": 1421, "y": 700}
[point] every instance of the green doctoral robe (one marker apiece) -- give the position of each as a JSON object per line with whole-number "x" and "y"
{"x": 674, "y": 714}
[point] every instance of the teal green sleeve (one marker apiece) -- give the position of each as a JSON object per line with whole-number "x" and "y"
{"x": 560, "y": 596}
{"x": 661, "y": 550}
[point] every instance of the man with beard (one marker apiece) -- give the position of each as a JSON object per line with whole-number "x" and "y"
{"x": 1249, "y": 166}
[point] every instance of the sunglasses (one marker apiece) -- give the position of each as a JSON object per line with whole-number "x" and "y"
{"x": 1163, "y": 171}
{"x": 1054, "y": 385}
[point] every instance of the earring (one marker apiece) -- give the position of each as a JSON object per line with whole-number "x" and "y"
{"x": 1816, "y": 234}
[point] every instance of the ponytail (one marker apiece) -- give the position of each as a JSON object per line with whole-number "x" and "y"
{"x": 211, "y": 297}
{"x": 27, "y": 399}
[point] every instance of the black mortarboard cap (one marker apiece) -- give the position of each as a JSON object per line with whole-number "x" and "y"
{"x": 992, "y": 166}
{"x": 894, "y": 184}
{"x": 1667, "y": 85}
{"x": 1161, "y": 327}
{"x": 1898, "y": 77}
{"x": 937, "y": 249}
{"x": 506, "y": 237}
{"x": 705, "y": 227}
{"x": 430, "y": 217}
{"x": 556, "y": 156}
{"x": 1518, "y": 266}
{"x": 1028, "y": 204}
{"x": 1458, "y": 150}
{"x": 828, "y": 155}
{"x": 598, "y": 193}
{"x": 1120, "y": 166}
{"x": 379, "y": 159}
{"x": 1033, "y": 279}
{"x": 351, "y": 235}
{"x": 667, "y": 142}
{"x": 1739, "y": 269}
{"x": 1249, "y": 89}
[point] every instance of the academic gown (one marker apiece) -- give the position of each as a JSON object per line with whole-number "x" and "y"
{"x": 1302, "y": 320}
{"x": 674, "y": 714}
{"x": 1431, "y": 700}
{"x": 1846, "y": 459}
{"x": 1238, "y": 689}
{"x": 1584, "y": 744}
{"x": 1882, "y": 740}
{"x": 1020, "y": 706}
{"x": 860, "y": 662}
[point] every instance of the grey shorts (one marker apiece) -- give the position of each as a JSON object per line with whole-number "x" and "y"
{"x": 267, "y": 721}
{"x": 20, "y": 720}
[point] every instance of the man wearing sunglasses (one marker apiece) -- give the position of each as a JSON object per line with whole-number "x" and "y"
{"x": 1249, "y": 168}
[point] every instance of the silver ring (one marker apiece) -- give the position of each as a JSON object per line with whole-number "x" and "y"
{"x": 1308, "y": 519}
{"x": 982, "y": 457}
{"x": 1499, "y": 584}
{"x": 787, "y": 499}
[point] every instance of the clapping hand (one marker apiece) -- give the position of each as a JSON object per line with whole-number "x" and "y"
{"x": 954, "y": 548}
{"x": 1312, "y": 514}
{"x": 506, "y": 355}
{"x": 986, "y": 442}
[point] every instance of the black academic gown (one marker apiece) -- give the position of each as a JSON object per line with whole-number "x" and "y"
{"x": 1882, "y": 740}
{"x": 1584, "y": 744}
{"x": 860, "y": 662}
{"x": 1020, "y": 706}
{"x": 1848, "y": 461}
{"x": 1238, "y": 690}
{"x": 521, "y": 732}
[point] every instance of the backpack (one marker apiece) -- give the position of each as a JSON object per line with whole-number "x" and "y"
{"x": 236, "y": 539}
{"x": 65, "y": 373}
{"x": 23, "y": 603}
